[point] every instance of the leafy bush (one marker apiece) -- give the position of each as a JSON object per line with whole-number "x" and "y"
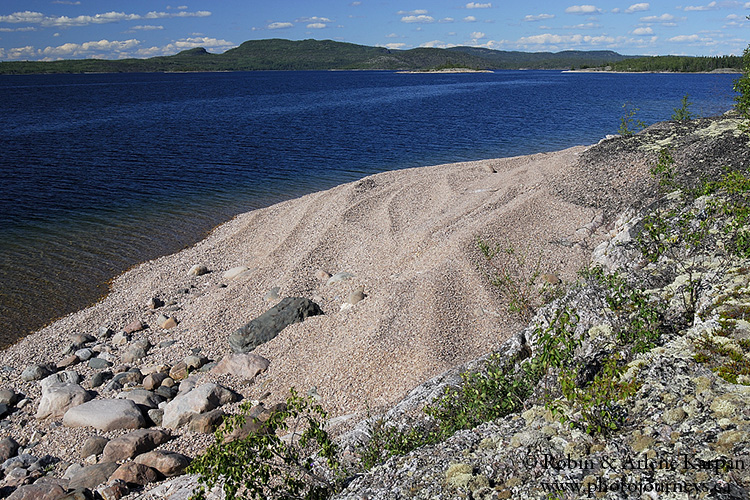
{"x": 264, "y": 465}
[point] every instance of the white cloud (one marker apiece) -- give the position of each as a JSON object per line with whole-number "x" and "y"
{"x": 88, "y": 49}
{"x": 475, "y": 5}
{"x": 584, "y": 26}
{"x": 29, "y": 17}
{"x": 638, "y": 7}
{"x": 643, "y": 31}
{"x": 470, "y": 19}
{"x": 582, "y": 9}
{"x": 411, "y": 12}
{"x": 447, "y": 20}
{"x": 202, "y": 41}
{"x": 313, "y": 19}
{"x": 553, "y": 39}
{"x": 395, "y": 46}
{"x": 317, "y": 26}
{"x": 538, "y": 17}
{"x": 10, "y": 30}
{"x": 64, "y": 2}
{"x": 421, "y": 19}
{"x": 664, "y": 18}
{"x": 392, "y": 35}
{"x": 147, "y": 27}
{"x": 280, "y": 26}
{"x": 477, "y": 35}
{"x": 699, "y": 8}
{"x": 437, "y": 44}
{"x": 685, "y": 38}
{"x": 210, "y": 44}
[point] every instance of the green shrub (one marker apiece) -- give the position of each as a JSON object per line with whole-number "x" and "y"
{"x": 628, "y": 124}
{"x": 518, "y": 277}
{"x": 683, "y": 114}
{"x": 265, "y": 466}
{"x": 742, "y": 87}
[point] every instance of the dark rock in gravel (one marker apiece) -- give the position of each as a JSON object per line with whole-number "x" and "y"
{"x": 168, "y": 463}
{"x": 8, "y": 448}
{"x": 81, "y": 339}
{"x": 79, "y": 494}
{"x": 115, "y": 490}
{"x": 68, "y": 361}
{"x": 142, "y": 397}
{"x": 135, "y": 326}
{"x": 99, "y": 378}
{"x": 155, "y": 303}
{"x": 122, "y": 380}
{"x": 156, "y": 416}
{"x": 93, "y": 445}
{"x": 153, "y": 380}
{"x": 206, "y": 423}
{"x": 132, "y": 473}
{"x": 38, "y": 492}
{"x": 37, "y": 372}
{"x": 92, "y": 476}
{"x": 244, "y": 366}
{"x": 9, "y": 397}
{"x": 269, "y": 324}
{"x": 99, "y": 363}
{"x": 23, "y": 461}
{"x": 166, "y": 392}
{"x": 134, "y": 443}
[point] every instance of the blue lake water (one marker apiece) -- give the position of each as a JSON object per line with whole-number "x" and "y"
{"x": 100, "y": 172}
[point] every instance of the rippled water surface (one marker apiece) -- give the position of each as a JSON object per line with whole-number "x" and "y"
{"x": 100, "y": 172}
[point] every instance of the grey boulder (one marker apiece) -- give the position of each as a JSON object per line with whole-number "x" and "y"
{"x": 269, "y": 324}
{"x": 203, "y": 398}
{"x": 105, "y": 415}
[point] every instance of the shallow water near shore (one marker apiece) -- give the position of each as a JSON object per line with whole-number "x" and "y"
{"x": 101, "y": 172}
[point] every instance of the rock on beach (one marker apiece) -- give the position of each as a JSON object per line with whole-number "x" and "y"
{"x": 105, "y": 415}
{"x": 269, "y": 324}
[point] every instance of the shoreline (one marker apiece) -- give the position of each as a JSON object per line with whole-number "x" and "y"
{"x": 407, "y": 236}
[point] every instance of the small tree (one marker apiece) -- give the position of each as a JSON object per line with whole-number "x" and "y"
{"x": 628, "y": 123}
{"x": 683, "y": 114}
{"x": 742, "y": 87}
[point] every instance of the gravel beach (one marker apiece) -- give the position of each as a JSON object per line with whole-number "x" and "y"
{"x": 407, "y": 239}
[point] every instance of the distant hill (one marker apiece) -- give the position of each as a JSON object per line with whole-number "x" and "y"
{"x": 278, "y": 54}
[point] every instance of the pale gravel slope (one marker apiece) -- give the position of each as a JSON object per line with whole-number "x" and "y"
{"x": 408, "y": 236}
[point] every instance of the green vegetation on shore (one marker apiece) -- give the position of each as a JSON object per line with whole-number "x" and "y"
{"x": 677, "y": 64}
{"x": 278, "y": 54}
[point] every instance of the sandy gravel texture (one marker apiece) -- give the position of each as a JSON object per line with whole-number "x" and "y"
{"x": 408, "y": 236}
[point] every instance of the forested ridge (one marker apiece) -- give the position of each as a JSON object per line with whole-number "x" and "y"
{"x": 279, "y": 54}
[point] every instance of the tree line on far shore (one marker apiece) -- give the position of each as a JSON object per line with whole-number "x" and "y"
{"x": 678, "y": 64}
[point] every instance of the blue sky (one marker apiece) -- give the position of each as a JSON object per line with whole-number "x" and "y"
{"x": 111, "y": 29}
